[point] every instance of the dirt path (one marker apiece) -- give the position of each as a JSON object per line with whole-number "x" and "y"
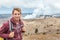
{"x": 42, "y": 37}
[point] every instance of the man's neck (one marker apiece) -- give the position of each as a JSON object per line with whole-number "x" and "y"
{"x": 17, "y": 21}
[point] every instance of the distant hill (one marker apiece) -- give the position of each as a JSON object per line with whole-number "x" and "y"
{"x": 5, "y": 15}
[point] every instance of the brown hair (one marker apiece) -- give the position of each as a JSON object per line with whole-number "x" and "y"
{"x": 17, "y": 9}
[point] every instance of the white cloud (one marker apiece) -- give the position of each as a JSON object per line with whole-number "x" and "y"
{"x": 24, "y": 3}
{"x": 29, "y": 3}
{"x": 20, "y": 3}
{"x": 47, "y": 7}
{"x": 55, "y": 3}
{"x": 11, "y": 3}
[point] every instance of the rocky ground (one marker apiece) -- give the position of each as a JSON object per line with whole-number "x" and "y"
{"x": 42, "y": 37}
{"x": 42, "y": 29}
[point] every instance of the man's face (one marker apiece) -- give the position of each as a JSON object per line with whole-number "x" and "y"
{"x": 16, "y": 15}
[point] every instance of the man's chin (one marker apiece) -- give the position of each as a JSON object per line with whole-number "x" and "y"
{"x": 17, "y": 19}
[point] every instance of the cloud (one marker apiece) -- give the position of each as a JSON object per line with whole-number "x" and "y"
{"x": 28, "y": 3}
{"x": 11, "y": 3}
{"x": 45, "y": 7}
{"x": 55, "y": 3}
{"x": 20, "y": 3}
{"x": 37, "y": 4}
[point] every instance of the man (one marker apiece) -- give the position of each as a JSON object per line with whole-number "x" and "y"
{"x": 17, "y": 26}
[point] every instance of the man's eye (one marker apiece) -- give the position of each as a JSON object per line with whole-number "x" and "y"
{"x": 18, "y": 14}
{"x": 15, "y": 14}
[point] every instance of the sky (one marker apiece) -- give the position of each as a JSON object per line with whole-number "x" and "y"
{"x": 31, "y": 6}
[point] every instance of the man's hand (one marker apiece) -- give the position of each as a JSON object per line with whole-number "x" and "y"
{"x": 23, "y": 29}
{"x": 11, "y": 35}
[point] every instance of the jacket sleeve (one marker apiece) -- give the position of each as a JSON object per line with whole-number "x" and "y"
{"x": 23, "y": 28}
{"x": 22, "y": 24}
{"x": 3, "y": 31}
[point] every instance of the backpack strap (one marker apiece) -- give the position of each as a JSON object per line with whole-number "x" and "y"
{"x": 10, "y": 25}
{"x": 10, "y": 28}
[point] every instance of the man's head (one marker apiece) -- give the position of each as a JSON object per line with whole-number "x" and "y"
{"x": 16, "y": 13}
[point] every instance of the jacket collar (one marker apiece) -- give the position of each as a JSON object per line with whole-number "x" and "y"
{"x": 13, "y": 21}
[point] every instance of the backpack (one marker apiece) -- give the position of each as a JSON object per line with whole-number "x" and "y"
{"x": 1, "y": 38}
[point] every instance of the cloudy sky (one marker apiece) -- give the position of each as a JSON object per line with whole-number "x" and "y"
{"x": 30, "y": 6}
